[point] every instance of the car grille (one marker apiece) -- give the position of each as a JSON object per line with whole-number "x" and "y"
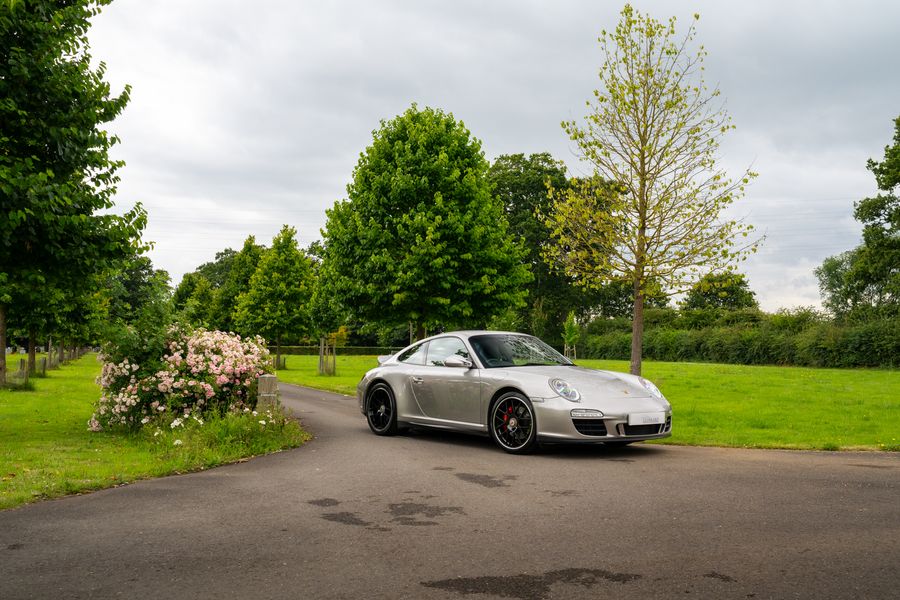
{"x": 646, "y": 429}
{"x": 590, "y": 426}
{"x": 641, "y": 429}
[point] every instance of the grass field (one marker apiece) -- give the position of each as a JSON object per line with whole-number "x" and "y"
{"x": 730, "y": 405}
{"x": 46, "y": 449}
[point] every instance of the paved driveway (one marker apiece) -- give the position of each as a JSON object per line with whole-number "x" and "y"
{"x": 430, "y": 515}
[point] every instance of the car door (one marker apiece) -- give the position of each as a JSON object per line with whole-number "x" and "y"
{"x": 448, "y": 393}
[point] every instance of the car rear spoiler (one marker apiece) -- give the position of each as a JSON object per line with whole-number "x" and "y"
{"x": 383, "y": 358}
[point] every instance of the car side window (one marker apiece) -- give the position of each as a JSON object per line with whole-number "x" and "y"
{"x": 441, "y": 349}
{"x": 415, "y": 355}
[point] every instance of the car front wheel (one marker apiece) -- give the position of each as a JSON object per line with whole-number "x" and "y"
{"x": 381, "y": 409}
{"x": 512, "y": 423}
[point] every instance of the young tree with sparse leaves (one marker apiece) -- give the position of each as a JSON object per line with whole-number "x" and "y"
{"x": 421, "y": 239}
{"x": 651, "y": 215}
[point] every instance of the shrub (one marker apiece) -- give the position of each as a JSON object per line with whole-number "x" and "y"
{"x": 202, "y": 372}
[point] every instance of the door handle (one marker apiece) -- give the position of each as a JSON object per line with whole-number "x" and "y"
{"x": 417, "y": 380}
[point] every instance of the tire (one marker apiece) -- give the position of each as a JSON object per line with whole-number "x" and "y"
{"x": 512, "y": 423}
{"x": 381, "y": 409}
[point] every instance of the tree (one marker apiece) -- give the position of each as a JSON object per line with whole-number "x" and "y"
{"x": 276, "y": 305}
{"x": 728, "y": 290}
{"x": 420, "y": 238}
{"x": 866, "y": 280}
{"x": 520, "y": 184}
{"x": 651, "y": 213}
{"x": 55, "y": 170}
{"x": 242, "y": 267}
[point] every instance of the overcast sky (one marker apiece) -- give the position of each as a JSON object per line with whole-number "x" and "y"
{"x": 246, "y": 116}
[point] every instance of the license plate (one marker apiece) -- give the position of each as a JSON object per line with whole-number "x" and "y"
{"x": 654, "y": 418}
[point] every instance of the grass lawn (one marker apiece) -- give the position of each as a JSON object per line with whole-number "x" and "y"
{"x": 730, "y": 405}
{"x": 46, "y": 449}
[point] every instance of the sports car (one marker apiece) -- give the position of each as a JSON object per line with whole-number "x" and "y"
{"x": 513, "y": 387}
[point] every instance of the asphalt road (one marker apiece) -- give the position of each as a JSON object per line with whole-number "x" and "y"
{"x": 429, "y": 515}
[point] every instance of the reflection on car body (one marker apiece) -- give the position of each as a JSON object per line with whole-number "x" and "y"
{"x": 513, "y": 387}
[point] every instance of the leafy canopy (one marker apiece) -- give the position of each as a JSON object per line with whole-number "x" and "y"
{"x": 421, "y": 239}
{"x": 865, "y": 282}
{"x": 728, "y": 290}
{"x": 276, "y": 304}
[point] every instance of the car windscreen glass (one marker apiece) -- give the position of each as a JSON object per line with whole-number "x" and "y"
{"x": 507, "y": 350}
{"x": 414, "y": 356}
{"x": 441, "y": 349}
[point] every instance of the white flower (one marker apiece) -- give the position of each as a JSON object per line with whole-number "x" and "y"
{"x": 145, "y": 420}
{"x": 156, "y": 433}
{"x": 262, "y": 423}
{"x": 177, "y": 443}
{"x": 254, "y": 413}
{"x": 175, "y": 423}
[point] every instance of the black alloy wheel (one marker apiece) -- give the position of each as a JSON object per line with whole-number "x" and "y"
{"x": 512, "y": 423}
{"x": 381, "y": 410}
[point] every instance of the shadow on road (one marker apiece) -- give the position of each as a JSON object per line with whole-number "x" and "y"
{"x": 565, "y": 451}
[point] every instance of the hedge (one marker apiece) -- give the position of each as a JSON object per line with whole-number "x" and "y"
{"x": 770, "y": 342}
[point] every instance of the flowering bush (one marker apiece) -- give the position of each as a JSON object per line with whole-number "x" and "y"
{"x": 203, "y": 371}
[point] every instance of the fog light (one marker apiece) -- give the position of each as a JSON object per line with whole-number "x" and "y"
{"x": 585, "y": 413}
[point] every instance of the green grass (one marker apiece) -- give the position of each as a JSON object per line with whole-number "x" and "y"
{"x": 731, "y": 405}
{"x": 46, "y": 449}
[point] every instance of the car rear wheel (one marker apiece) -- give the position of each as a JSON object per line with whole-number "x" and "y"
{"x": 512, "y": 423}
{"x": 381, "y": 409}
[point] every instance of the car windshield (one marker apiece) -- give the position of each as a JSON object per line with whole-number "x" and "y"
{"x": 510, "y": 350}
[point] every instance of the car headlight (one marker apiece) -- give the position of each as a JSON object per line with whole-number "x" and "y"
{"x": 565, "y": 390}
{"x": 648, "y": 385}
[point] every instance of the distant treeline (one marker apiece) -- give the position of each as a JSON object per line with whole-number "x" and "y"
{"x": 801, "y": 337}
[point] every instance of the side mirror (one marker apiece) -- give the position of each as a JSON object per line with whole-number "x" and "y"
{"x": 458, "y": 361}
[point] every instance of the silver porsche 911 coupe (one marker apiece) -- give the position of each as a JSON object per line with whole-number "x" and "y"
{"x": 513, "y": 387}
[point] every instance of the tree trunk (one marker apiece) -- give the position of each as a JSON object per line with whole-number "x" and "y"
{"x": 3, "y": 344}
{"x": 31, "y": 350}
{"x": 637, "y": 329}
{"x": 420, "y": 331}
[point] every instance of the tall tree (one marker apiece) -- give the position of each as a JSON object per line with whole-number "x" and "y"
{"x": 520, "y": 184}
{"x": 865, "y": 281}
{"x": 651, "y": 215}
{"x": 242, "y": 267}
{"x": 55, "y": 170}
{"x": 276, "y": 305}
{"x": 728, "y": 290}
{"x": 421, "y": 239}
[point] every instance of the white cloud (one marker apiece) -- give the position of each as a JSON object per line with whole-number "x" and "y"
{"x": 246, "y": 117}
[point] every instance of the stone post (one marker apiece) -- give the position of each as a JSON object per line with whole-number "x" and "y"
{"x": 42, "y": 366}
{"x": 267, "y": 392}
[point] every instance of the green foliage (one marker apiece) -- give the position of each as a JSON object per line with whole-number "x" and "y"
{"x": 241, "y": 268}
{"x": 55, "y": 170}
{"x": 520, "y": 184}
{"x": 420, "y": 238}
{"x": 864, "y": 283}
{"x": 276, "y": 304}
{"x": 571, "y": 332}
{"x": 800, "y": 337}
{"x": 727, "y": 290}
{"x": 651, "y": 212}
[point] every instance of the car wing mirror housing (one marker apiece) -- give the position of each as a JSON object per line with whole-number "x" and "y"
{"x": 458, "y": 361}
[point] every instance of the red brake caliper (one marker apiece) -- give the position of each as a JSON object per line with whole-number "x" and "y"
{"x": 506, "y": 417}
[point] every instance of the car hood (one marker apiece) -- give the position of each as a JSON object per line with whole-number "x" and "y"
{"x": 605, "y": 390}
